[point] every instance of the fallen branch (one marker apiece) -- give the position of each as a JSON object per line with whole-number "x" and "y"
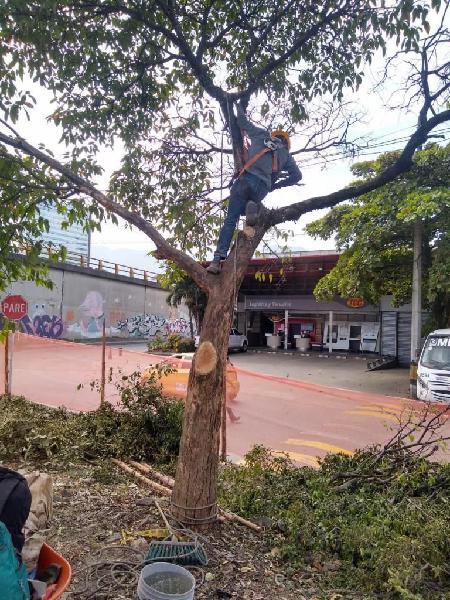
{"x": 148, "y": 470}
{"x": 155, "y": 486}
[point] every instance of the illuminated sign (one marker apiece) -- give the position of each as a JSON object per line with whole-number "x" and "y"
{"x": 355, "y": 302}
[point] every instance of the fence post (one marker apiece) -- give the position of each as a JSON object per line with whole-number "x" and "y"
{"x": 7, "y": 364}
{"x": 103, "y": 375}
{"x": 223, "y": 429}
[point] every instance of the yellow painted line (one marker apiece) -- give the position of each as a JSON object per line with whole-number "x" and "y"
{"x": 311, "y": 461}
{"x": 318, "y": 444}
{"x": 385, "y": 406}
{"x": 370, "y": 413}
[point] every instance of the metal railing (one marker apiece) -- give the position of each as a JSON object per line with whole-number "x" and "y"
{"x": 74, "y": 258}
{"x": 81, "y": 260}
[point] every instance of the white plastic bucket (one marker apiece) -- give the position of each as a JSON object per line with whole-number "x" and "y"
{"x": 165, "y": 581}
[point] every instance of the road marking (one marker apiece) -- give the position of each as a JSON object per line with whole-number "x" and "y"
{"x": 317, "y": 444}
{"x": 385, "y": 406}
{"x": 310, "y": 461}
{"x": 371, "y": 413}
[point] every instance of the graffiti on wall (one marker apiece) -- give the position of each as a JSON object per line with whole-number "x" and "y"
{"x": 86, "y": 320}
{"x": 143, "y": 325}
{"x": 39, "y": 320}
{"x": 153, "y": 325}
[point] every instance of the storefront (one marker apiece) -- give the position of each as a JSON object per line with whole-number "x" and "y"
{"x": 276, "y": 307}
{"x": 293, "y": 318}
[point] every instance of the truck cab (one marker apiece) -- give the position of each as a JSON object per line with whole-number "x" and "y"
{"x": 433, "y": 369}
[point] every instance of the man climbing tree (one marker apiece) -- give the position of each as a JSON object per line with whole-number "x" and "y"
{"x": 161, "y": 77}
{"x": 268, "y": 158}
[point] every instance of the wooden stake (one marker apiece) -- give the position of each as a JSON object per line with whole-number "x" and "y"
{"x": 223, "y": 428}
{"x": 103, "y": 375}
{"x": 7, "y": 364}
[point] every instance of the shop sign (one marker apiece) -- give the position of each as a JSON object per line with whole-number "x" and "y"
{"x": 355, "y": 302}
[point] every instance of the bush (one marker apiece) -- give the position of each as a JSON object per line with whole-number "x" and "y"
{"x": 174, "y": 342}
{"x": 388, "y": 540}
{"x": 145, "y": 426}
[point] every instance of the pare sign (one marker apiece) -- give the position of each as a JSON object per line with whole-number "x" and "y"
{"x": 355, "y": 302}
{"x": 14, "y": 307}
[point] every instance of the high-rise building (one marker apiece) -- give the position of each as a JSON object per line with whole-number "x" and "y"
{"x": 73, "y": 238}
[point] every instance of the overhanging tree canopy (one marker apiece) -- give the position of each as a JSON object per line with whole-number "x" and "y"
{"x": 164, "y": 77}
{"x": 375, "y": 233}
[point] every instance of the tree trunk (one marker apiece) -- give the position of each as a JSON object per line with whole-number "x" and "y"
{"x": 195, "y": 491}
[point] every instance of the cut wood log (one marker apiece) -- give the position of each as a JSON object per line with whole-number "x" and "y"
{"x": 148, "y": 482}
{"x": 148, "y": 470}
{"x": 233, "y": 517}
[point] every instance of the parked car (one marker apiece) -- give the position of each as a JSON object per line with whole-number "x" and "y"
{"x": 174, "y": 381}
{"x": 236, "y": 341}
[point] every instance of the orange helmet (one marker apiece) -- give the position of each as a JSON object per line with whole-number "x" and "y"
{"x": 283, "y": 134}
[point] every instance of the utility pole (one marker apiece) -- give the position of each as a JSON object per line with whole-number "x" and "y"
{"x": 416, "y": 308}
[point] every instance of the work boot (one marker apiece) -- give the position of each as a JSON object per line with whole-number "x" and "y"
{"x": 214, "y": 267}
{"x": 251, "y": 213}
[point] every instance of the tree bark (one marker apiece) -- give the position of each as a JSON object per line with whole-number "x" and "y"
{"x": 195, "y": 491}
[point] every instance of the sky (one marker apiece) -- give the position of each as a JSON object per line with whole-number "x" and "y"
{"x": 131, "y": 247}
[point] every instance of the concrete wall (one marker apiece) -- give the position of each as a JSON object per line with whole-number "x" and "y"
{"x": 81, "y": 298}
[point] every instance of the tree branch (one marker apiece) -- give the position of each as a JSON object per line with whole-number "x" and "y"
{"x": 401, "y": 165}
{"x": 166, "y": 250}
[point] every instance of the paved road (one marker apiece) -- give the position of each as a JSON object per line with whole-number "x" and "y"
{"x": 302, "y": 418}
{"x": 307, "y": 420}
{"x": 350, "y": 374}
{"x": 335, "y": 372}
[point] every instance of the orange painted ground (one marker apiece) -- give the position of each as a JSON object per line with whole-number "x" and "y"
{"x": 303, "y": 419}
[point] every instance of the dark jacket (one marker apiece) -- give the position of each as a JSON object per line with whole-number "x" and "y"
{"x": 15, "y": 503}
{"x": 262, "y": 168}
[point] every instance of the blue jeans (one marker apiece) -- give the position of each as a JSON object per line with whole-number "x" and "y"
{"x": 248, "y": 187}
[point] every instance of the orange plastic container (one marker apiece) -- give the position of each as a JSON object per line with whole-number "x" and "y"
{"x": 49, "y": 556}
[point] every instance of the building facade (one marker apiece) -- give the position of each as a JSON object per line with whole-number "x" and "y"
{"x": 276, "y": 299}
{"x": 74, "y": 238}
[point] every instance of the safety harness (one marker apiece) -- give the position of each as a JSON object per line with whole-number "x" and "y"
{"x": 270, "y": 146}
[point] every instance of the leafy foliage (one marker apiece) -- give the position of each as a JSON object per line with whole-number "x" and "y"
{"x": 25, "y": 189}
{"x": 386, "y": 541}
{"x": 174, "y": 342}
{"x": 375, "y": 233}
{"x": 145, "y": 426}
{"x": 157, "y": 75}
{"x": 183, "y": 288}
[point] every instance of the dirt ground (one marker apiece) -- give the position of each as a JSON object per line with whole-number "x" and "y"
{"x": 89, "y": 517}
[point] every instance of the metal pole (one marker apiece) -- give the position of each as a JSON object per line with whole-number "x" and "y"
{"x": 103, "y": 376}
{"x": 286, "y": 328}
{"x": 330, "y": 332}
{"x": 416, "y": 308}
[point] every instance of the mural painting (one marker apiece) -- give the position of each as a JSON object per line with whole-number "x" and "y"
{"x": 91, "y": 313}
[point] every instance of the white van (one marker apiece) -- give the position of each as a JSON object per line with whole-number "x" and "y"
{"x": 433, "y": 370}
